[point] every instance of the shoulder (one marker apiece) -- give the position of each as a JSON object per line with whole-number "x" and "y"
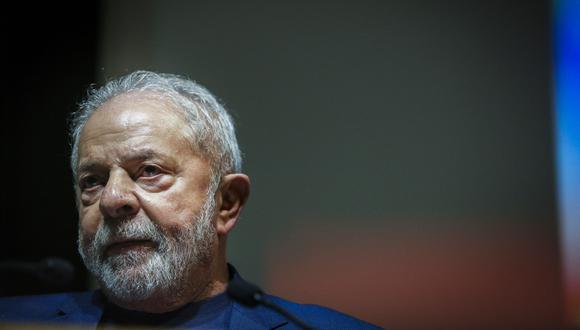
{"x": 40, "y": 307}
{"x": 316, "y": 316}
{"x": 322, "y": 317}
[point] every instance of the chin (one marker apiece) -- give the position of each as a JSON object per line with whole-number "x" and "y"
{"x": 129, "y": 262}
{"x": 136, "y": 276}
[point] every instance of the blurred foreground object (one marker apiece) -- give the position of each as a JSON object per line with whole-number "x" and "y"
{"x": 49, "y": 275}
{"x": 567, "y": 133}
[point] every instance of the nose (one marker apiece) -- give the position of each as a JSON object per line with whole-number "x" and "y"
{"x": 118, "y": 199}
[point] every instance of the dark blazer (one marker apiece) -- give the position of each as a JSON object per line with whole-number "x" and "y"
{"x": 86, "y": 308}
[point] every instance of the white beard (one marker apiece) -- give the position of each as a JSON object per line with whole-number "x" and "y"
{"x": 138, "y": 275}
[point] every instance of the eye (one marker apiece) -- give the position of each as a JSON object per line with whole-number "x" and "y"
{"x": 150, "y": 171}
{"x": 89, "y": 182}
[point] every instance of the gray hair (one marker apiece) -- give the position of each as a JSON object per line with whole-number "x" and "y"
{"x": 212, "y": 128}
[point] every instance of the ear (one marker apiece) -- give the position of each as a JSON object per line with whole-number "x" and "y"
{"x": 233, "y": 193}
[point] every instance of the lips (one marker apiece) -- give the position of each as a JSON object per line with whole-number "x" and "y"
{"x": 128, "y": 245}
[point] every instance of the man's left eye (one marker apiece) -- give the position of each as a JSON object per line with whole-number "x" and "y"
{"x": 149, "y": 171}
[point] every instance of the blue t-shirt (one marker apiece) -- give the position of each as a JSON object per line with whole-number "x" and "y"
{"x": 212, "y": 313}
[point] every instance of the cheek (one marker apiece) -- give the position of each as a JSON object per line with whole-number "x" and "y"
{"x": 89, "y": 219}
{"x": 172, "y": 209}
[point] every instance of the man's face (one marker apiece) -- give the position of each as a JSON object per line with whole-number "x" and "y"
{"x": 145, "y": 214}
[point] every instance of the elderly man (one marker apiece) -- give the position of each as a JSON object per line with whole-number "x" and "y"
{"x": 157, "y": 173}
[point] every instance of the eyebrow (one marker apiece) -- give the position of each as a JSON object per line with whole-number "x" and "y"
{"x": 139, "y": 155}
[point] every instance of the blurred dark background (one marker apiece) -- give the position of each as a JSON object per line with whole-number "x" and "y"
{"x": 401, "y": 152}
{"x": 50, "y": 56}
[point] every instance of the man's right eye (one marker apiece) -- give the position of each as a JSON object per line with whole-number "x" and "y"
{"x": 89, "y": 182}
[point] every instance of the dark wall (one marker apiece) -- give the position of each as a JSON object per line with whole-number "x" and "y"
{"x": 49, "y": 58}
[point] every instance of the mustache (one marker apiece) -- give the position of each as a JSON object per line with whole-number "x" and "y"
{"x": 134, "y": 229}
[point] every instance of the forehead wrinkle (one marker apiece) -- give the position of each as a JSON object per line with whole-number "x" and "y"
{"x": 99, "y": 156}
{"x": 98, "y": 131}
{"x": 135, "y": 154}
{"x": 105, "y": 133}
{"x": 165, "y": 104}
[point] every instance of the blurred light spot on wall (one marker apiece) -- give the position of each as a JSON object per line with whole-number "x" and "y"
{"x": 428, "y": 277}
